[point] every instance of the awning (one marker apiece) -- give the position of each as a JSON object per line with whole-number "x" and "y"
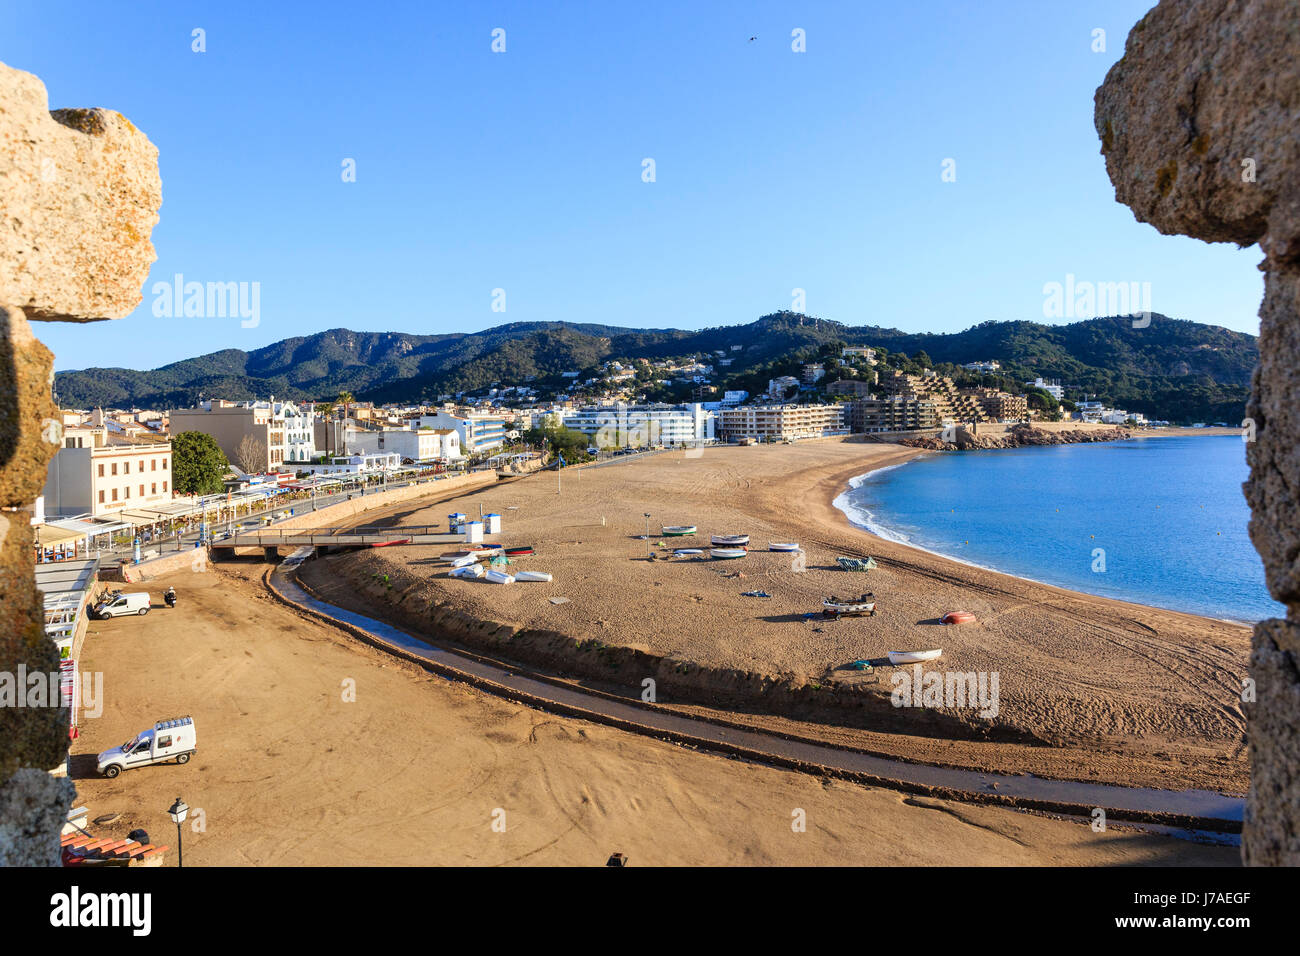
{"x": 49, "y": 535}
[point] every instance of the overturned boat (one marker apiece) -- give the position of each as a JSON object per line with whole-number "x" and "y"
{"x": 914, "y": 657}
{"x": 730, "y": 540}
{"x": 677, "y": 530}
{"x": 728, "y": 554}
{"x": 783, "y": 546}
{"x": 856, "y": 564}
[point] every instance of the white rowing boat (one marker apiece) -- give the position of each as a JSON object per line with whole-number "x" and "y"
{"x": 684, "y": 551}
{"x": 730, "y": 540}
{"x": 532, "y": 576}
{"x": 726, "y": 554}
{"x": 913, "y": 657}
{"x": 677, "y": 531}
{"x": 500, "y": 577}
{"x": 866, "y": 604}
{"x": 783, "y": 546}
{"x": 468, "y": 571}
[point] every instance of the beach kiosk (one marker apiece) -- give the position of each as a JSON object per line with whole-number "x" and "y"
{"x": 455, "y": 521}
{"x": 473, "y": 532}
{"x": 492, "y": 522}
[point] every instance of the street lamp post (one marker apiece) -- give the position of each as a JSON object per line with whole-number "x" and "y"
{"x": 178, "y": 811}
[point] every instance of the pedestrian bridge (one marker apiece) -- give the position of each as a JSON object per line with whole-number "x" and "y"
{"x": 275, "y": 538}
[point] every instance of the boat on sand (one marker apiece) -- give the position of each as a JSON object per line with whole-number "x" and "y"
{"x": 957, "y": 617}
{"x": 677, "y": 530}
{"x": 727, "y": 554}
{"x": 783, "y": 546}
{"x": 499, "y": 577}
{"x": 730, "y": 540}
{"x": 913, "y": 657}
{"x": 532, "y": 576}
{"x": 864, "y": 604}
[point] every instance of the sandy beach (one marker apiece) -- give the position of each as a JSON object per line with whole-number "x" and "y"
{"x": 1090, "y": 688}
{"x": 416, "y": 768}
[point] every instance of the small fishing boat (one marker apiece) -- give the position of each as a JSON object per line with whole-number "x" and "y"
{"x": 686, "y": 551}
{"x": 913, "y": 657}
{"x": 865, "y": 604}
{"x": 856, "y": 564}
{"x": 532, "y": 576}
{"x": 783, "y": 546}
{"x": 730, "y": 540}
{"x": 727, "y": 554}
{"x": 677, "y": 530}
{"x": 499, "y": 577}
{"x": 522, "y": 549}
{"x": 385, "y": 544}
{"x": 957, "y": 617}
{"x": 467, "y": 571}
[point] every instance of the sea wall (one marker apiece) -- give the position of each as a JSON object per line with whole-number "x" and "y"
{"x": 1197, "y": 124}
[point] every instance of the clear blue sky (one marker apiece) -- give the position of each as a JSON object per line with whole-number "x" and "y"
{"x": 523, "y": 170}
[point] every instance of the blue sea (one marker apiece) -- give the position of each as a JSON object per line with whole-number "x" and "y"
{"x": 1157, "y": 521}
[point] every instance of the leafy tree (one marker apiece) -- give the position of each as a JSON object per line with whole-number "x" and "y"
{"x": 198, "y": 464}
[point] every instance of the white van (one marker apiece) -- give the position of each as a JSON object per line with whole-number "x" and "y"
{"x": 166, "y": 740}
{"x": 117, "y": 604}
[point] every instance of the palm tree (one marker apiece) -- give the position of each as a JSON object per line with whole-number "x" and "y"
{"x": 345, "y": 399}
{"x": 325, "y": 409}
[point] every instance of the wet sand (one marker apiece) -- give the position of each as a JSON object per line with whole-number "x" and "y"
{"x": 1090, "y": 688}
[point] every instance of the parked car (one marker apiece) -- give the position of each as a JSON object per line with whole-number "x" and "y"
{"x": 117, "y": 604}
{"x": 166, "y": 740}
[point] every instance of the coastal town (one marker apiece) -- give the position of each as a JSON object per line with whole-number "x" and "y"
{"x": 113, "y": 473}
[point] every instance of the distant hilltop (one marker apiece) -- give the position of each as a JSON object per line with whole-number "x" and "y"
{"x": 1170, "y": 369}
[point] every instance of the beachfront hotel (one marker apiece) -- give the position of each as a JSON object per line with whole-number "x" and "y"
{"x": 894, "y": 414}
{"x": 781, "y": 422}
{"x": 631, "y": 426}
{"x": 96, "y": 473}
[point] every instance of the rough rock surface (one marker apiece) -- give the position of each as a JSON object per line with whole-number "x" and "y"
{"x": 1198, "y": 127}
{"x": 1018, "y": 436}
{"x": 79, "y": 193}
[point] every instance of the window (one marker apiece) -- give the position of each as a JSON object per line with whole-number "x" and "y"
{"x": 142, "y": 491}
{"x": 115, "y": 468}
{"x": 165, "y": 741}
{"x": 101, "y": 495}
{"x": 153, "y": 464}
{"x": 153, "y": 488}
{"x": 114, "y": 494}
{"x": 126, "y": 492}
{"x": 164, "y": 464}
{"x": 126, "y": 468}
{"x": 142, "y": 465}
{"x": 164, "y": 486}
{"x": 101, "y": 470}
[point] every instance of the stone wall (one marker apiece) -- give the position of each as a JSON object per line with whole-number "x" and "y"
{"x": 1198, "y": 126}
{"x": 79, "y": 193}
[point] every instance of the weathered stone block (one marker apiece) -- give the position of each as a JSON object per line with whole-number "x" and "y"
{"x": 79, "y": 192}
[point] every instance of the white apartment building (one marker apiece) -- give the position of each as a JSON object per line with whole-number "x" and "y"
{"x": 982, "y": 366}
{"x": 636, "y": 426}
{"x": 477, "y": 432}
{"x": 1052, "y": 388}
{"x": 411, "y": 444}
{"x": 96, "y": 474}
{"x": 858, "y": 352}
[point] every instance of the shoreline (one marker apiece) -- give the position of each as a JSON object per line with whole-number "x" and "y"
{"x": 883, "y": 533}
{"x": 1159, "y": 721}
